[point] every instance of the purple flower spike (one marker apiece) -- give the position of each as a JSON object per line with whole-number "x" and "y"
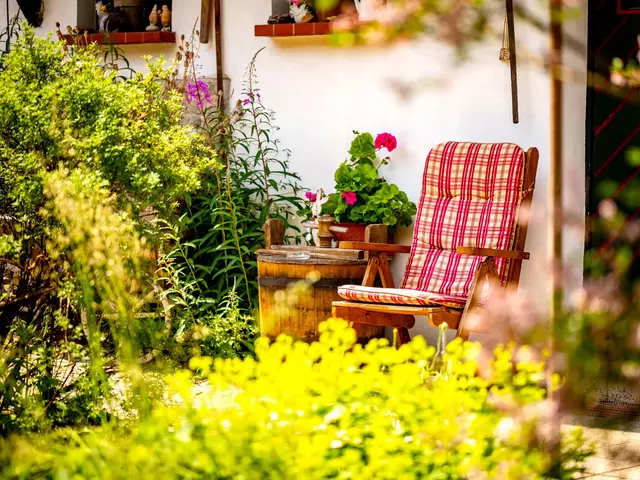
{"x": 197, "y": 92}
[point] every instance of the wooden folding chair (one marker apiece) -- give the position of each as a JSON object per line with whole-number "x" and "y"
{"x": 470, "y": 231}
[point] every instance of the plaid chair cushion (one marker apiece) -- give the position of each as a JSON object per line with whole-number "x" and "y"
{"x": 471, "y": 194}
{"x": 398, "y": 296}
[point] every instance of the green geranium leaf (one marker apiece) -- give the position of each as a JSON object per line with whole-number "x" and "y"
{"x": 363, "y": 147}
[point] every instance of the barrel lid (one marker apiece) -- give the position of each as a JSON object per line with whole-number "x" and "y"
{"x": 303, "y": 255}
{"x": 311, "y": 259}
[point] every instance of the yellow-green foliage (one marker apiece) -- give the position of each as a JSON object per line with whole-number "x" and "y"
{"x": 98, "y": 245}
{"x": 62, "y": 108}
{"x": 327, "y": 410}
{"x": 82, "y": 153}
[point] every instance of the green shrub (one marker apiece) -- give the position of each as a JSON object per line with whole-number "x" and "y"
{"x": 328, "y": 410}
{"x": 82, "y": 154}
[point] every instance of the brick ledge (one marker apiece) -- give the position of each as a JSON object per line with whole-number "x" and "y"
{"x": 129, "y": 38}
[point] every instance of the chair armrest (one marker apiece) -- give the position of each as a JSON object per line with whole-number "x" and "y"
{"x": 375, "y": 247}
{"x": 492, "y": 252}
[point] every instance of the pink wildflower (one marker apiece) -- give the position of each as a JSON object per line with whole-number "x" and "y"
{"x": 250, "y": 96}
{"x": 312, "y": 197}
{"x": 198, "y": 92}
{"x": 386, "y": 140}
{"x": 350, "y": 197}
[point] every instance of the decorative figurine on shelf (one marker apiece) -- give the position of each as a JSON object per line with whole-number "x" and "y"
{"x": 317, "y": 202}
{"x": 301, "y": 12}
{"x": 103, "y": 16}
{"x": 312, "y": 211}
{"x": 279, "y": 19}
{"x": 166, "y": 19}
{"x": 154, "y": 19}
{"x": 115, "y": 21}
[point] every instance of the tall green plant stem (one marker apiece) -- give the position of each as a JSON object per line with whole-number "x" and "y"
{"x": 226, "y": 153}
{"x": 254, "y": 116}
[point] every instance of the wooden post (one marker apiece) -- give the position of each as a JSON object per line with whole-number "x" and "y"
{"x": 217, "y": 24}
{"x": 555, "y": 177}
{"x": 273, "y": 232}
{"x": 325, "y": 237}
{"x": 375, "y": 233}
{"x": 205, "y": 21}
{"x": 513, "y": 63}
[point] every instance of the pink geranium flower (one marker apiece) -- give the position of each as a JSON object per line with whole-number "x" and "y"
{"x": 386, "y": 140}
{"x": 312, "y": 197}
{"x": 350, "y": 197}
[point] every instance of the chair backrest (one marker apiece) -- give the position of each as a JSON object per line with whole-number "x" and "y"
{"x": 472, "y": 194}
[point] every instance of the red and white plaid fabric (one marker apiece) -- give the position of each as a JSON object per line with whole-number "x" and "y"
{"x": 398, "y": 296}
{"x": 471, "y": 194}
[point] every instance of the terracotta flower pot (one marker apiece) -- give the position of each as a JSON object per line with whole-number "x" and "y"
{"x": 355, "y": 233}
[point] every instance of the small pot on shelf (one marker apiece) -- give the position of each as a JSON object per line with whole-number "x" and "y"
{"x": 324, "y": 14}
{"x": 349, "y": 232}
{"x": 325, "y": 231}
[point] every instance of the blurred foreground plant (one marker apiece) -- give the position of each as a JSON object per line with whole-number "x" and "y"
{"x": 331, "y": 409}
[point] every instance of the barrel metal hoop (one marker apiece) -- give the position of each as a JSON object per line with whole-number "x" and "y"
{"x": 322, "y": 283}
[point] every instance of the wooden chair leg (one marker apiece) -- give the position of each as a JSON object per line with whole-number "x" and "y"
{"x": 487, "y": 272}
{"x": 385, "y": 271}
{"x": 403, "y": 336}
{"x": 378, "y": 264}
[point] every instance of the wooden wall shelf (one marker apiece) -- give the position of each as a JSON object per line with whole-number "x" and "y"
{"x": 131, "y": 38}
{"x": 294, "y": 29}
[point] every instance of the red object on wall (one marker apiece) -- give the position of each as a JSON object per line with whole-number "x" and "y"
{"x": 628, "y": 7}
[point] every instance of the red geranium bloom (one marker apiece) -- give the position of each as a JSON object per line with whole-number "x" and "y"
{"x": 386, "y": 140}
{"x": 350, "y": 197}
{"x": 312, "y": 197}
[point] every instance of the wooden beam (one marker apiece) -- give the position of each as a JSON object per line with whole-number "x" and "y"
{"x": 492, "y": 252}
{"x": 375, "y": 247}
{"x": 205, "y": 21}
{"x": 555, "y": 177}
{"x": 513, "y": 62}
{"x": 391, "y": 309}
{"x": 368, "y": 317}
{"x": 217, "y": 25}
{"x": 273, "y": 232}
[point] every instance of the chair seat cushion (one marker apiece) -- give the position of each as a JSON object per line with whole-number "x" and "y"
{"x": 399, "y": 296}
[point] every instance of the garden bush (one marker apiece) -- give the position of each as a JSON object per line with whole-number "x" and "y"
{"x": 82, "y": 155}
{"x": 332, "y": 409}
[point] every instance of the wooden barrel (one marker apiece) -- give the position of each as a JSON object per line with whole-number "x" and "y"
{"x": 282, "y": 311}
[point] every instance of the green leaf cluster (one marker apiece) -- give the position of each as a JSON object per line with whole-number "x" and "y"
{"x": 378, "y": 201}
